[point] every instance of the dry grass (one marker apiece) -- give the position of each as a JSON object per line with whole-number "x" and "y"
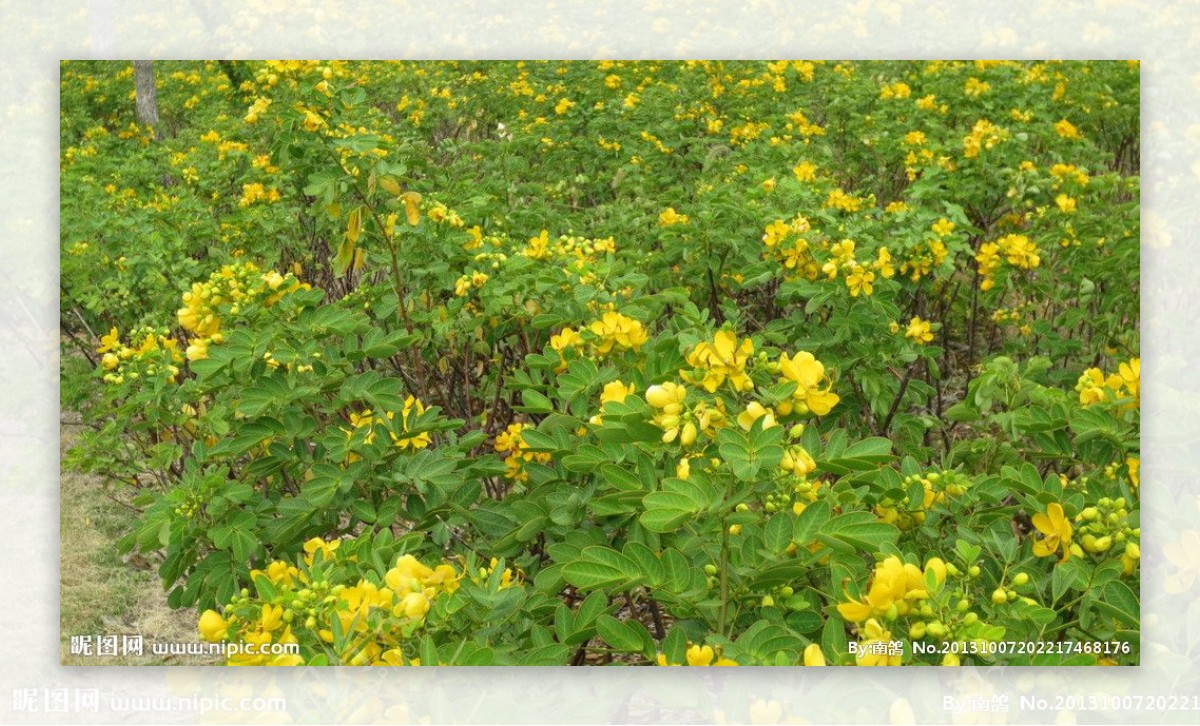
{"x": 102, "y": 594}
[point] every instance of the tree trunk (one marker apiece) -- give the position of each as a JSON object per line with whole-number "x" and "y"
{"x": 147, "y": 94}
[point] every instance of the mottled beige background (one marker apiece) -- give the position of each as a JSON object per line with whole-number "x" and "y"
{"x": 1164, "y": 35}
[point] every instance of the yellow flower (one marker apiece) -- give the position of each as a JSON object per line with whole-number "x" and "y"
{"x": 809, "y": 375}
{"x": 271, "y": 617}
{"x": 701, "y": 655}
{"x": 805, "y": 171}
{"x": 839, "y": 199}
{"x": 197, "y": 350}
{"x": 614, "y": 329}
{"x": 754, "y": 411}
{"x": 312, "y": 122}
{"x": 1056, "y": 532}
{"x": 316, "y": 544}
{"x": 566, "y": 338}
{"x": 412, "y": 209}
{"x": 1131, "y": 376}
{"x": 615, "y": 391}
{"x": 212, "y": 626}
{"x": 813, "y": 655}
{"x": 1134, "y": 464}
{"x": 723, "y": 358}
{"x": 1067, "y": 130}
{"x": 1019, "y": 251}
{"x": 860, "y": 280}
{"x": 775, "y": 232}
{"x": 976, "y": 87}
{"x": 666, "y": 395}
{"x": 943, "y": 227}
{"x": 919, "y": 331}
{"x": 112, "y": 341}
{"x": 874, "y": 650}
{"x": 415, "y": 605}
{"x": 669, "y": 217}
{"x": 895, "y": 586}
{"x": 895, "y": 90}
{"x": 883, "y": 263}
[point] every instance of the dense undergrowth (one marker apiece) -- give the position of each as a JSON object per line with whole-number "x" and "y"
{"x": 623, "y": 362}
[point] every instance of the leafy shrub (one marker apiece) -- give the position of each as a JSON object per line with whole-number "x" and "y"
{"x": 682, "y": 363}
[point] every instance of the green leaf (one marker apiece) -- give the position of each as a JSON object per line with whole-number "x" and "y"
{"x": 535, "y": 403}
{"x": 1071, "y": 574}
{"x": 538, "y": 441}
{"x": 620, "y": 478}
{"x": 1121, "y": 603}
{"x": 667, "y": 511}
{"x": 777, "y": 535}
{"x": 601, "y": 567}
{"x": 874, "y": 446}
{"x": 806, "y": 526}
{"x": 861, "y": 530}
{"x": 619, "y": 635}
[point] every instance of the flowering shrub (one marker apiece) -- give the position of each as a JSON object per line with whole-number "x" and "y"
{"x": 702, "y": 363}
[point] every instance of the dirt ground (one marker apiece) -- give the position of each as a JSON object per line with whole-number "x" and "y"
{"x": 101, "y": 593}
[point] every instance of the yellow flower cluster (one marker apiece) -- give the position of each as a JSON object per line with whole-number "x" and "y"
{"x": 256, "y": 192}
{"x": 919, "y": 331}
{"x": 667, "y": 398}
{"x": 984, "y": 135}
{"x": 1069, "y": 173}
{"x": 473, "y": 280}
{"x": 401, "y": 439}
{"x": 510, "y": 442}
{"x": 156, "y": 353}
{"x": 839, "y": 199}
{"x": 1125, "y": 385}
{"x": 372, "y": 619}
{"x": 1017, "y": 249}
{"x": 670, "y": 217}
{"x": 1067, "y": 130}
{"x": 896, "y": 587}
{"x": 579, "y": 251}
{"x": 257, "y": 109}
{"x": 937, "y": 488}
{"x": 793, "y": 253}
{"x": 234, "y": 285}
{"x": 805, "y": 171}
{"x": 975, "y": 87}
{"x": 1104, "y": 532}
{"x": 923, "y": 258}
{"x": 614, "y": 330}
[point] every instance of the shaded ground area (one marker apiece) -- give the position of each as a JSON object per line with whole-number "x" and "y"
{"x": 99, "y": 592}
